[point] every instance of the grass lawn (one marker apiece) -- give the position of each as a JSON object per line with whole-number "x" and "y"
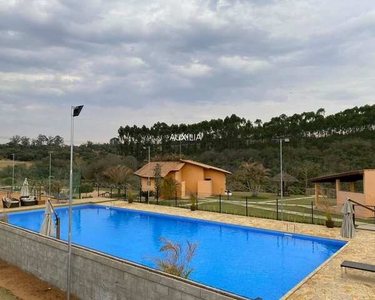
{"x": 229, "y": 208}
{"x": 241, "y": 196}
{"x": 260, "y": 211}
{"x": 301, "y": 209}
{"x": 292, "y": 207}
{"x": 330, "y": 201}
{"x": 172, "y": 202}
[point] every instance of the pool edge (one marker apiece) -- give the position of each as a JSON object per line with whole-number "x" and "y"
{"x": 303, "y": 281}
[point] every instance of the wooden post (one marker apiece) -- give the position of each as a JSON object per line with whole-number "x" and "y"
{"x": 352, "y": 187}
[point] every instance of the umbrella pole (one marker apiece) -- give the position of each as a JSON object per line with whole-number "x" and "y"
{"x": 58, "y": 228}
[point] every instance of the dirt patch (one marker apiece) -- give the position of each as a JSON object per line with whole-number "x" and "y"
{"x": 8, "y": 163}
{"x": 7, "y": 295}
{"x": 16, "y": 284}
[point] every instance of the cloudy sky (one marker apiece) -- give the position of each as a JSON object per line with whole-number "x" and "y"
{"x": 139, "y": 62}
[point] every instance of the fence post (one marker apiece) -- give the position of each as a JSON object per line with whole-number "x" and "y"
{"x": 140, "y": 195}
{"x": 197, "y": 199}
{"x": 277, "y": 208}
{"x": 220, "y": 203}
{"x": 157, "y": 196}
{"x": 98, "y": 190}
{"x": 175, "y": 199}
{"x": 247, "y": 209}
{"x": 312, "y": 212}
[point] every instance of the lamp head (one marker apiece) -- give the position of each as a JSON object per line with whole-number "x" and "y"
{"x": 77, "y": 110}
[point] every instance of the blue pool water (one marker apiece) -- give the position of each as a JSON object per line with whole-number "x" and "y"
{"x": 245, "y": 261}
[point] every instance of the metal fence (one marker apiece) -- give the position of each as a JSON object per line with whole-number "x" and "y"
{"x": 301, "y": 212}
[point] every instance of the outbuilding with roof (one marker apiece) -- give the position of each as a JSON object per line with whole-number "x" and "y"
{"x": 193, "y": 177}
{"x": 365, "y": 196}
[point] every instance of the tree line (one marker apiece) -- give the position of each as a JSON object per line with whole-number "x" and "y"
{"x": 235, "y": 132}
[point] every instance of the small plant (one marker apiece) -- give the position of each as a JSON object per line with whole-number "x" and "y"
{"x": 4, "y": 217}
{"x": 328, "y": 214}
{"x": 130, "y": 197}
{"x": 193, "y": 201}
{"x": 329, "y": 221}
{"x": 177, "y": 259}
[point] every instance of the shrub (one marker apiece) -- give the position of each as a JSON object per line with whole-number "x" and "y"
{"x": 86, "y": 188}
{"x": 177, "y": 259}
{"x": 169, "y": 187}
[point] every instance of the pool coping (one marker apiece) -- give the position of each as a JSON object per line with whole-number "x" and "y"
{"x": 303, "y": 281}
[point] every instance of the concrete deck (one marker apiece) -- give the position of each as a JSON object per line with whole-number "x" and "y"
{"x": 326, "y": 282}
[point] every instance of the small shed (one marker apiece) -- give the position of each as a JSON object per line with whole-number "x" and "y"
{"x": 367, "y": 198}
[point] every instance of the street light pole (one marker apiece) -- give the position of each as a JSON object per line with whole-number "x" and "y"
{"x": 281, "y": 179}
{"x": 148, "y": 180}
{"x": 75, "y": 111}
{"x": 11, "y": 190}
{"x": 50, "y": 173}
{"x": 281, "y": 176}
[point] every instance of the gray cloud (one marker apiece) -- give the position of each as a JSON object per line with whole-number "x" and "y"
{"x": 141, "y": 62}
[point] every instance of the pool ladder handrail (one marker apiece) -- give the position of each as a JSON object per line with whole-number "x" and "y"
{"x": 57, "y": 220}
{"x": 287, "y": 227}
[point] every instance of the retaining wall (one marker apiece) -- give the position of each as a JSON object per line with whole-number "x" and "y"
{"x": 94, "y": 275}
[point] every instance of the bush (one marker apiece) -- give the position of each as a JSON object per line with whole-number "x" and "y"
{"x": 8, "y": 181}
{"x": 86, "y": 188}
{"x": 144, "y": 193}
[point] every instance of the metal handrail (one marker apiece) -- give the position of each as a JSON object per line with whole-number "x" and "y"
{"x": 362, "y": 205}
{"x": 57, "y": 220}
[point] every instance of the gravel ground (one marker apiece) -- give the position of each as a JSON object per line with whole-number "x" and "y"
{"x": 16, "y": 284}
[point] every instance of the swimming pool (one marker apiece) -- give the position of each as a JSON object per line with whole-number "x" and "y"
{"x": 245, "y": 261}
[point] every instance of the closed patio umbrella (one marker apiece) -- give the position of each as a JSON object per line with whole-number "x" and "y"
{"x": 347, "y": 227}
{"x": 25, "y": 189}
{"x": 48, "y": 227}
